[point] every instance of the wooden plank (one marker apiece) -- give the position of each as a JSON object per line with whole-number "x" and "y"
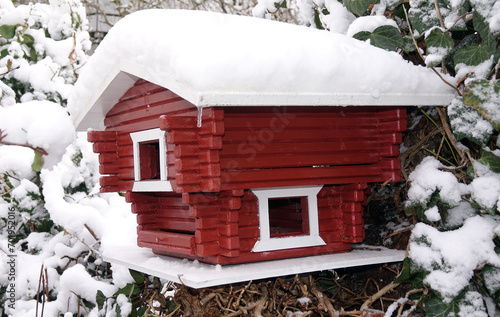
{"x": 326, "y": 120}
{"x": 108, "y": 158}
{"x": 298, "y": 135}
{"x": 182, "y": 225}
{"x": 104, "y": 147}
{"x": 106, "y": 181}
{"x": 101, "y": 136}
{"x": 299, "y": 160}
{"x": 140, "y": 88}
{"x": 153, "y": 108}
{"x": 319, "y": 147}
{"x": 166, "y": 248}
{"x": 207, "y": 249}
{"x": 354, "y": 172}
{"x": 206, "y": 236}
{"x": 108, "y": 169}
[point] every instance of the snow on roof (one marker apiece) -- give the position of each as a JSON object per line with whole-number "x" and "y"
{"x": 213, "y": 59}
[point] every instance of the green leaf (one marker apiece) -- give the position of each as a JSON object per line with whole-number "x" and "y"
{"x": 359, "y": 7}
{"x": 362, "y": 36}
{"x": 137, "y": 276}
{"x": 438, "y": 38}
{"x": 28, "y": 39}
{"x": 100, "y": 299}
{"x": 483, "y": 28}
{"x": 436, "y": 307}
{"x": 472, "y": 55}
{"x": 8, "y": 31}
{"x": 280, "y": 4}
{"x": 439, "y": 45}
{"x": 405, "y": 275}
{"x": 37, "y": 162}
{"x": 386, "y": 37}
{"x": 488, "y": 158}
{"x": 128, "y": 290}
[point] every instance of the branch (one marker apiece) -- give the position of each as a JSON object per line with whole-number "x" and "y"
{"x": 422, "y": 57}
{"x": 36, "y": 149}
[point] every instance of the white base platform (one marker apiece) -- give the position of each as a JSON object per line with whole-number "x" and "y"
{"x": 199, "y": 275}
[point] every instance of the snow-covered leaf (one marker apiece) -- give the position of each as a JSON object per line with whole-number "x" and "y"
{"x": 490, "y": 159}
{"x": 483, "y": 95}
{"x": 439, "y": 45}
{"x": 467, "y": 123}
{"x": 386, "y": 37}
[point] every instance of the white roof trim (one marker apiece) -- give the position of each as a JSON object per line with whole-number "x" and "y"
{"x": 126, "y": 73}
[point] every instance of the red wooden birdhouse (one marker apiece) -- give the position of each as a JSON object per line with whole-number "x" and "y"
{"x": 227, "y": 161}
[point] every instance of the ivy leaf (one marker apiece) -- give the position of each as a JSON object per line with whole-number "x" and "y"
{"x": 488, "y": 158}
{"x": 359, "y": 7}
{"x": 483, "y": 28}
{"x": 436, "y": 307}
{"x": 137, "y": 276}
{"x": 128, "y": 290}
{"x": 8, "y": 31}
{"x": 472, "y": 55}
{"x": 385, "y": 36}
{"x": 467, "y": 123}
{"x": 439, "y": 45}
{"x": 482, "y": 95}
{"x": 438, "y": 38}
{"x": 100, "y": 299}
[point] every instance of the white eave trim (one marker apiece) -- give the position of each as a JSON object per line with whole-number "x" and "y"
{"x": 126, "y": 73}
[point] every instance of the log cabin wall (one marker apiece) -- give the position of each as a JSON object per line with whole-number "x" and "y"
{"x": 138, "y": 109}
{"x": 279, "y": 147}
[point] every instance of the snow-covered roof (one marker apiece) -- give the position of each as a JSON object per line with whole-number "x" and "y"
{"x": 213, "y": 59}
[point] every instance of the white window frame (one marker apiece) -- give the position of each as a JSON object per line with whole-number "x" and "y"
{"x": 162, "y": 184}
{"x": 266, "y": 243}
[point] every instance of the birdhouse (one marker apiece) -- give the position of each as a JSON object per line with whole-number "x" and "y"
{"x": 238, "y": 139}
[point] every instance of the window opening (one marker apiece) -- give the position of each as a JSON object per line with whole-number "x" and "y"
{"x": 149, "y": 153}
{"x": 150, "y": 161}
{"x": 288, "y": 216}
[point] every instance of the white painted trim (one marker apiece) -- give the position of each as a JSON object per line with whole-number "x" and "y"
{"x": 152, "y": 186}
{"x": 163, "y": 184}
{"x": 266, "y": 243}
{"x": 202, "y": 275}
{"x": 126, "y": 72}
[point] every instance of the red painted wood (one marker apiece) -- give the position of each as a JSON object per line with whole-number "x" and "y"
{"x": 101, "y": 136}
{"x": 238, "y": 148}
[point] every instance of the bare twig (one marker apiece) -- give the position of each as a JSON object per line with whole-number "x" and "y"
{"x": 389, "y": 287}
{"x": 422, "y": 57}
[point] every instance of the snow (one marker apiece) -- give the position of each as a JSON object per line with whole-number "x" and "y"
{"x": 369, "y": 24}
{"x": 339, "y": 19}
{"x": 432, "y": 214}
{"x": 427, "y": 178}
{"x": 452, "y": 256}
{"x": 40, "y": 124}
{"x": 211, "y": 58}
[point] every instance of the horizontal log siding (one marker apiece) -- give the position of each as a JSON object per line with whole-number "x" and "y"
{"x": 105, "y": 145}
{"x": 193, "y": 157}
{"x": 392, "y": 124}
{"x": 164, "y": 222}
{"x": 272, "y": 147}
{"x": 139, "y": 109}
